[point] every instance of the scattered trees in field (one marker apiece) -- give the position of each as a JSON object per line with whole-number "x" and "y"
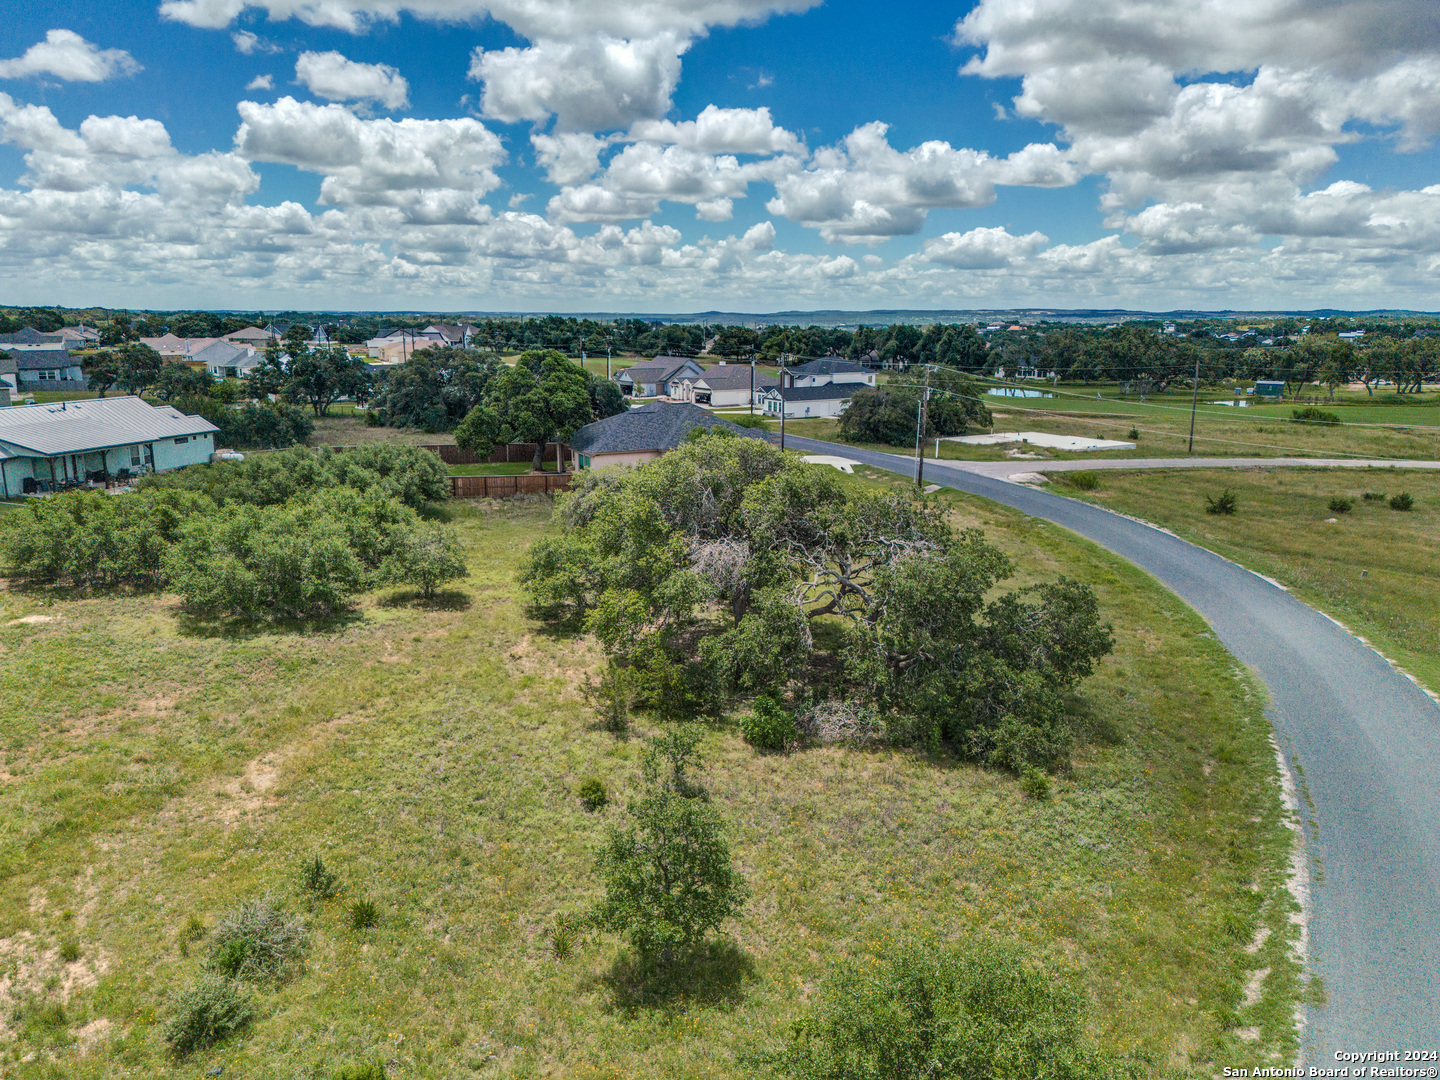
{"x": 436, "y": 387}
{"x": 704, "y": 572}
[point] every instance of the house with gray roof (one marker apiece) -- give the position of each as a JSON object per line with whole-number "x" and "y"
{"x": 832, "y": 370}
{"x": 659, "y": 377}
{"x": 42, "y": 369}
{"x": 227, "y": 359}
{"x": 801, "y": 402}
{"x": 43, "y": 447}
{"x": 723, "y": 386}
{"x": 644, "y": 433}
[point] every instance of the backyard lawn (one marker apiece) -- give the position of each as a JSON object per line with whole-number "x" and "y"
{"x": 157, "y": 769}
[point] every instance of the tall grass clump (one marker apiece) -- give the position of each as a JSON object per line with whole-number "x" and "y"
{"x": 1224, "y": 503}
{"x": 1084, "y": 480}
{"x": 1403, "y": 501}
{"x": 317, "y": 880}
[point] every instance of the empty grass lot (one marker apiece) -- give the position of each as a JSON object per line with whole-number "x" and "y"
{"x": 155, "y": 769}
{"x": 1372, "y": 568}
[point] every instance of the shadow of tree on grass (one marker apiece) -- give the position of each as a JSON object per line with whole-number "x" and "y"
{"x": 443, "y": 600}
{"x": 709, "y": 975}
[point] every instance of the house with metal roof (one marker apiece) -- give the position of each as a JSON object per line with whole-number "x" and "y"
{"x": 44, "y": 447}
{"x": 644, "y": 433}
{"x": 227, "y": 359}
{"x": 659, "y": 377}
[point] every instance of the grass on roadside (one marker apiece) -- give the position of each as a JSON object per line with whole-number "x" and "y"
{"x": 154, "y": 771}
{"x": 1371, "y": 567}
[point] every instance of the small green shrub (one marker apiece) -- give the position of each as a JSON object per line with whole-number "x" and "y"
{"x": 364, "y": 915}
{"x": 593, "y": 794}
{"x": 317, "y": 880}
{"x": 1224, "y": 503}
{"x": 1374, "y": 496}
{"x": 208, "y": 1010}
{"x": 931, "y": 1012}
{"x": 1086, "y": 480}
{"x": 612, "y": 697}
{"x": 369, "y": 1071}
{"x": 565, "y": 934}
{"x": 1035, "y": 784}
{"x": 257, "y": 940}
{"x": 1311, "y": 415}
{"x": 1339, "y": 505}
{"x": 70, "y": 951}
{"x": 1133, "y": 435}
{"x": 768, "y": 727}
{"x": 1403, "y": 501}
{"x": 755, "y": 421}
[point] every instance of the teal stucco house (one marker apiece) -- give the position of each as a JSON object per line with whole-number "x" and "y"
{"x": 45, "y": 446}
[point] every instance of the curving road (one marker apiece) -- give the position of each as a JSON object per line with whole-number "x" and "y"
{"x": 1366, "y": 738}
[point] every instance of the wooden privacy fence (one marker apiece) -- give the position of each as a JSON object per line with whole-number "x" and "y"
{"x": 507, "y": 487}
{"x": 516, "y": 452}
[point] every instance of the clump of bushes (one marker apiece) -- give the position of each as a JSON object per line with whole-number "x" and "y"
{"x": 926, "y": 1012}
{"x": 1374, "y": 496}
{"x": 593, "y": 794}
{"x": 1403, "y": 501}
{"x": 1311, "y": 415}
{"x": 257, "y": 940}
{"x": 364, "y": 915}
{"x": 1133, "y": 434}
{"x": 1085, "y": 480}
{"x": 292, "y": 535}
{"x": 204, "y": 1013}
{"x": 1224, "y": 503}
{"x": 767, "y": 726}
{"x": 1339, "y": 505}
{"x": 565, "y": 933}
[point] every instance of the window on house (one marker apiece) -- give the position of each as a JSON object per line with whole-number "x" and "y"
{"x": 134, "y": 455}
{"x": 48, "y": 376}
{"x": 184, "y": 440}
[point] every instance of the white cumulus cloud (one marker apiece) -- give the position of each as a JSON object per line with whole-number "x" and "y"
{"x": 261, "y": 82}
{"x": 982, "y": 249}
{"x": 67, "y": 55}
{"x": 334, "y": 77}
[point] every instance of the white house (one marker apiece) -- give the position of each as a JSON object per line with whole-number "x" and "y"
{"x": 832, "y": 371}
{"x": 724, "y": 386}
{"x": 799, "y": 402}
{"x": 663, "y": 376}
{"x": 44, "y": 446}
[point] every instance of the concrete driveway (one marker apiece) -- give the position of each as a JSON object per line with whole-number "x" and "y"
{"x": 1366, "y": 739}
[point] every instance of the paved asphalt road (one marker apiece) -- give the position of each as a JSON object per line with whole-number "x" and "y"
{"x": 1015, "y": 466}
{"x": 1366, "y": 738}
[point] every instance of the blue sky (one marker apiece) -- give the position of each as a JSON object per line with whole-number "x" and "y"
{"x": 737, "y": 154}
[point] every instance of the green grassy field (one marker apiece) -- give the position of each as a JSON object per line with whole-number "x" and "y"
{"x": 1373, "y": 568}
{"x": 513, "y": 468}
{"x": 155, "y": 768}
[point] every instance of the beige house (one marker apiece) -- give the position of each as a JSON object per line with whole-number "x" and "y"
{"x": 644, "y": 433}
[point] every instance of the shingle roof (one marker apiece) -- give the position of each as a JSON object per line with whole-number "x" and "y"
{"x": 830, "y": 367}
{"x": 733, "y": 377}
{"x": 655, "y": 371}
{"x": 827, "y": 392}
{"x": 29, "y": 336}
{"x": 40, "y": 359}
{"x": 659, "y": 426}
{"x": 76, "y": 426}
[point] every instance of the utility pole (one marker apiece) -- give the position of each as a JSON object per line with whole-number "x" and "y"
{"x": 920, "y": 431}
{"x": 1194, "y": 400}
{"x": 607, "y": 361}
{"x": 752, "y": 384}
{"x": 784, "y": 384}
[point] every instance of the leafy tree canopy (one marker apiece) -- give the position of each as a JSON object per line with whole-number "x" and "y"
{"x": 705, "y": 571}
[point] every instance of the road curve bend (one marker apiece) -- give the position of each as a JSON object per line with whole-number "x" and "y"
{"x": 1366, "y": 737}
